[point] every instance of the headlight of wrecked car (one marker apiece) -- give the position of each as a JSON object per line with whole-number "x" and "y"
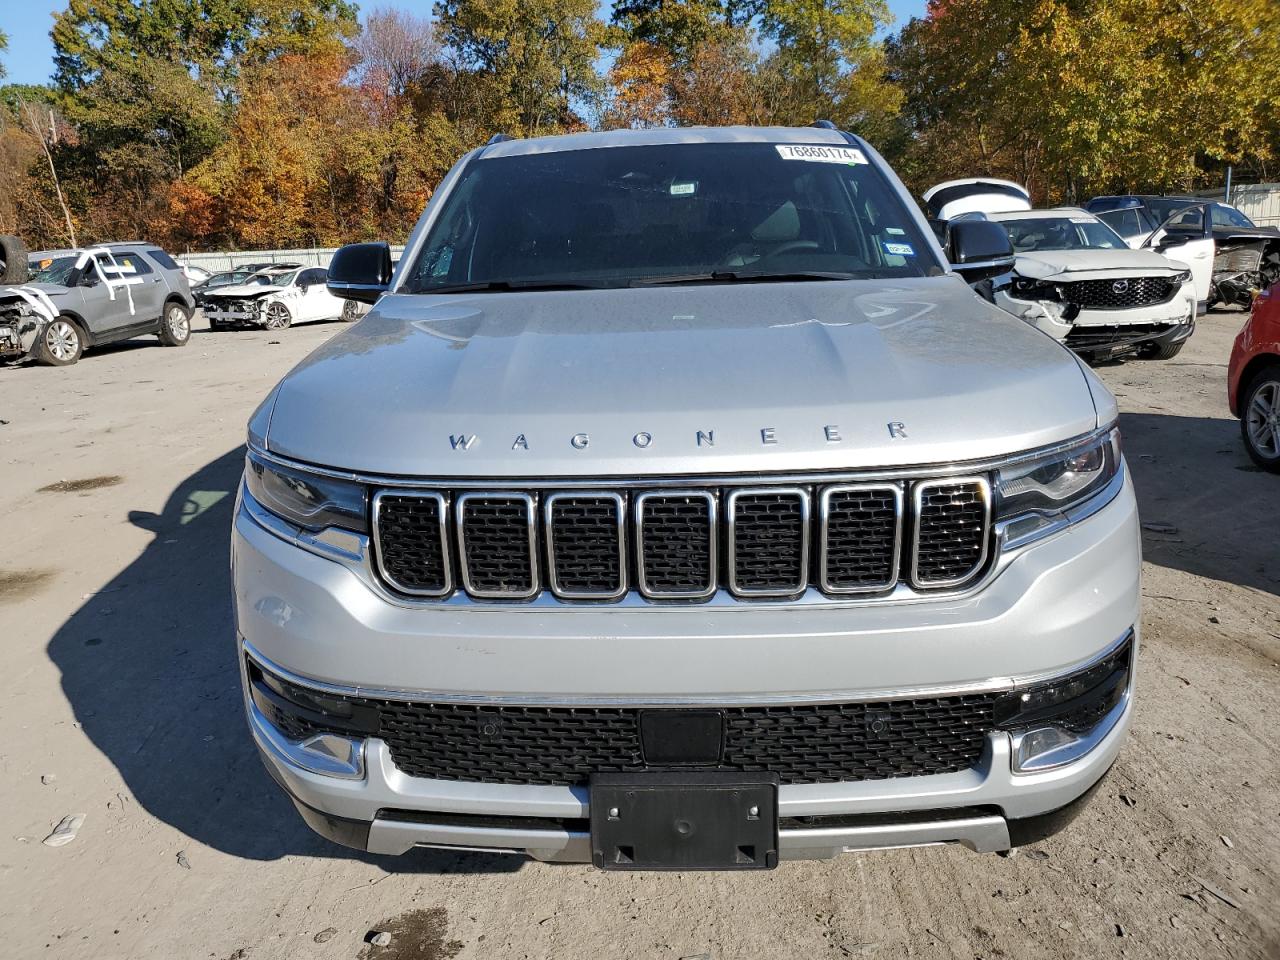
{"x": 1035, "y": 497}
{"x": 1182, "y": 277}
{"x": 1025, "y": 288}
{"x": 305, "y": 499}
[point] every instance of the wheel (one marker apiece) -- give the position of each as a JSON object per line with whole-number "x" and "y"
{"x": 1164, "y": 351}
{"x": 175, "y": 325}
{"x": 13, "y": 260}
{"x": 278, "y": 316}
{"x": 1260, "y": 419}
{"x": 60, "y": 344}
{"x": 350, "y": 311}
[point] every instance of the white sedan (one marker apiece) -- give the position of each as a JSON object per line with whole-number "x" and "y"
{"x": 275, "y": 298}
{"x": 1078, "y": 281}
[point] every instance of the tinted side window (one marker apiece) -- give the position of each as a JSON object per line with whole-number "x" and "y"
{"x": 130, "y": 264}
{"x": 1224, "y": 216}
{"x": 311, "y": 278}
{"x": 162, "y": 258}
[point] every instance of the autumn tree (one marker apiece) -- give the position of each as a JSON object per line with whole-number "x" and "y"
{"x": 531, "y": 64}
{"x": 1087, "y": 96}
{"x": 396, "y": 53}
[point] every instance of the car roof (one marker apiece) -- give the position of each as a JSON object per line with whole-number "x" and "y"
{"x": 658, "y": 136}
{"x": 1043, "y": 213}
{"x": 74, "y": 251}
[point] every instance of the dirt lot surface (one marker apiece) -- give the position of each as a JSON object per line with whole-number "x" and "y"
{"x": 119, "y": 700}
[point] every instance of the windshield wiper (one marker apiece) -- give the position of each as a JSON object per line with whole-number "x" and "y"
{"x": 501, "y": 286}
{"x": 733, "y": 276}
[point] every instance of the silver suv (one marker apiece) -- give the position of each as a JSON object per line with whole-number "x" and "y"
{"x": 679, "y": 506}
{"x": 72, "y": 300}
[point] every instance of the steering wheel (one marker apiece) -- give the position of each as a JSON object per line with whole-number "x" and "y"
{"x": 789, "y": 246}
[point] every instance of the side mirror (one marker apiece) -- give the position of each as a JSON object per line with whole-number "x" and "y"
{"x": 979, "y": 249}
{"x": 360, "y": 271}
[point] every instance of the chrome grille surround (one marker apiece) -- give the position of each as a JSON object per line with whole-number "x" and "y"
{"x": 785, "y": 589}
{"x": 651, "y": 590}
{"x": 825, "y": 578}
{"x": 384, "y": 498}
{"x": 550, "y": 505}
{"x": 467, "y": 559}
{"x": 919, "y": 491}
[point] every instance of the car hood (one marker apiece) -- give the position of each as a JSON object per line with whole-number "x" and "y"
{"x": 1042, "y": 264}
{"x": 677, "y": 380}
{"x": 240, "y": 290}
{"x": 49, "y": 289}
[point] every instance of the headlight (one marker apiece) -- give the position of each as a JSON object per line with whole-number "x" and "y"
{"x": 1025, "y": 288}
{"x": 1182, "y": 277}
{"x": 306, "y": 499}
{"x": 1034, "y": 497}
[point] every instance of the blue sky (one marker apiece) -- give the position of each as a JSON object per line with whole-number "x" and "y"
{"x": 29, "y": 58}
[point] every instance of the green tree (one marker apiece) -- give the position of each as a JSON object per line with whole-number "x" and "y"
{"x": 530, "y": 63}
{"x": 4, "y": 45}
{"x": 1076, "y": 97}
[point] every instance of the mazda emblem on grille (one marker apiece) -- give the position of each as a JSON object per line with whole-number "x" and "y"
{"x": 1120, "y": 286}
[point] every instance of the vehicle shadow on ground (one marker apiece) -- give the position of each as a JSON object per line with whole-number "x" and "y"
{"x": 1206, "y": 508}
{"x": 148, "y": 664}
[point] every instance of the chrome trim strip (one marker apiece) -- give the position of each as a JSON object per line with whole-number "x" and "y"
{"x": 917, "y": 496}
{"x": 923, "y": 471}
{"x": 442, "y": 512}
{"x": 713, "y": 565}
{"x": 1068, "y": 753}
{"x": 531, "y": 521}
{"x": 620, "y": 519}
{"x": 731, "y": 549}
{"x": 322, "y": 753}
{"x": 824, "y": 522}
{"x": 986, "y": 834}
{"x": 992, "y": 685}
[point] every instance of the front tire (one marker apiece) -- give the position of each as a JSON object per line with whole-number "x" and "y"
{"x": 1164, "y": 351}
{"x": 1260, "y": 419}
{"x": 61, "y": 343}
{"x": 175, "y": 325}
{"x": 278, "y": 316}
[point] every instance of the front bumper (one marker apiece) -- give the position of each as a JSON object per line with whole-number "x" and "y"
{"x": 1054, "y": 606}
{"x": 221, "y": 315}
{"x": 1114, "y": 331}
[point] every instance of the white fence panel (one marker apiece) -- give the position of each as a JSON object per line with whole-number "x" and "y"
{"x": 310, "y": 257}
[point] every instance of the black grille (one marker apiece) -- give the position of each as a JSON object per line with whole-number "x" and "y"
{"x": 770, "y": 542}
{"x": 411, "y": 542}
{"x": 497, "y": 552}
{"x": 821, "y": 743}
{"x": 677, "y": 544}
{"x": 1120, "y": 293}
{"x": 951, "y": 531}
{"x": 862, "y": 535}
{"x": 585, "y": 544}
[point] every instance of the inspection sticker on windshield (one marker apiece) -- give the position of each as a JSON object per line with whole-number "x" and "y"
{"x": 1082, "y": 219}
{"x": 899, "y": 249}
{"x": 817, "y": 154}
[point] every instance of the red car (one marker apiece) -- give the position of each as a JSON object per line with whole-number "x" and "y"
{"x": 1253, "y": 381}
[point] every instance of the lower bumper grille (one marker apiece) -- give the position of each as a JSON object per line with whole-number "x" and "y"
{"x": 810, "y": 743}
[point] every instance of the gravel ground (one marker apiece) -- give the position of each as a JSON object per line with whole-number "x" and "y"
{"x": 120, "y": 701}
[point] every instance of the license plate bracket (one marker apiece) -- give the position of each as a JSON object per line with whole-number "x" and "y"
{"x": 686, "y": 820}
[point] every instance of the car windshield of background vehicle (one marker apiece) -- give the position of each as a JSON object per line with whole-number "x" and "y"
{"x": 1062, "y": 233}
{"x": 620, "y": 216}
{"x": 56, "y": 271}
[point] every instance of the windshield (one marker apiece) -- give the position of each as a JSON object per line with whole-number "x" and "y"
{"x": 1225, "y": 216}
{"x": 270, "y": 280}
{"x": 56, "y": 270}
{"x": 621, "y": 216}
{"x": 1062, "y": 233}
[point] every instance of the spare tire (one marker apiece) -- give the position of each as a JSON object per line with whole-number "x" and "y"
{"x": 13, "y": 260}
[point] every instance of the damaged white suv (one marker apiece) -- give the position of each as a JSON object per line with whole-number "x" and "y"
{"x": 678, "y": 505}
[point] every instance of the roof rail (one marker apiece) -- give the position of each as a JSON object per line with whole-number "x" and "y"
{"x": 499, "y": 138}
{"x": 824, "y": 125}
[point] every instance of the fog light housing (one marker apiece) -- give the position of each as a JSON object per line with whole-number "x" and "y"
{"x": 1058, "y": 721}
